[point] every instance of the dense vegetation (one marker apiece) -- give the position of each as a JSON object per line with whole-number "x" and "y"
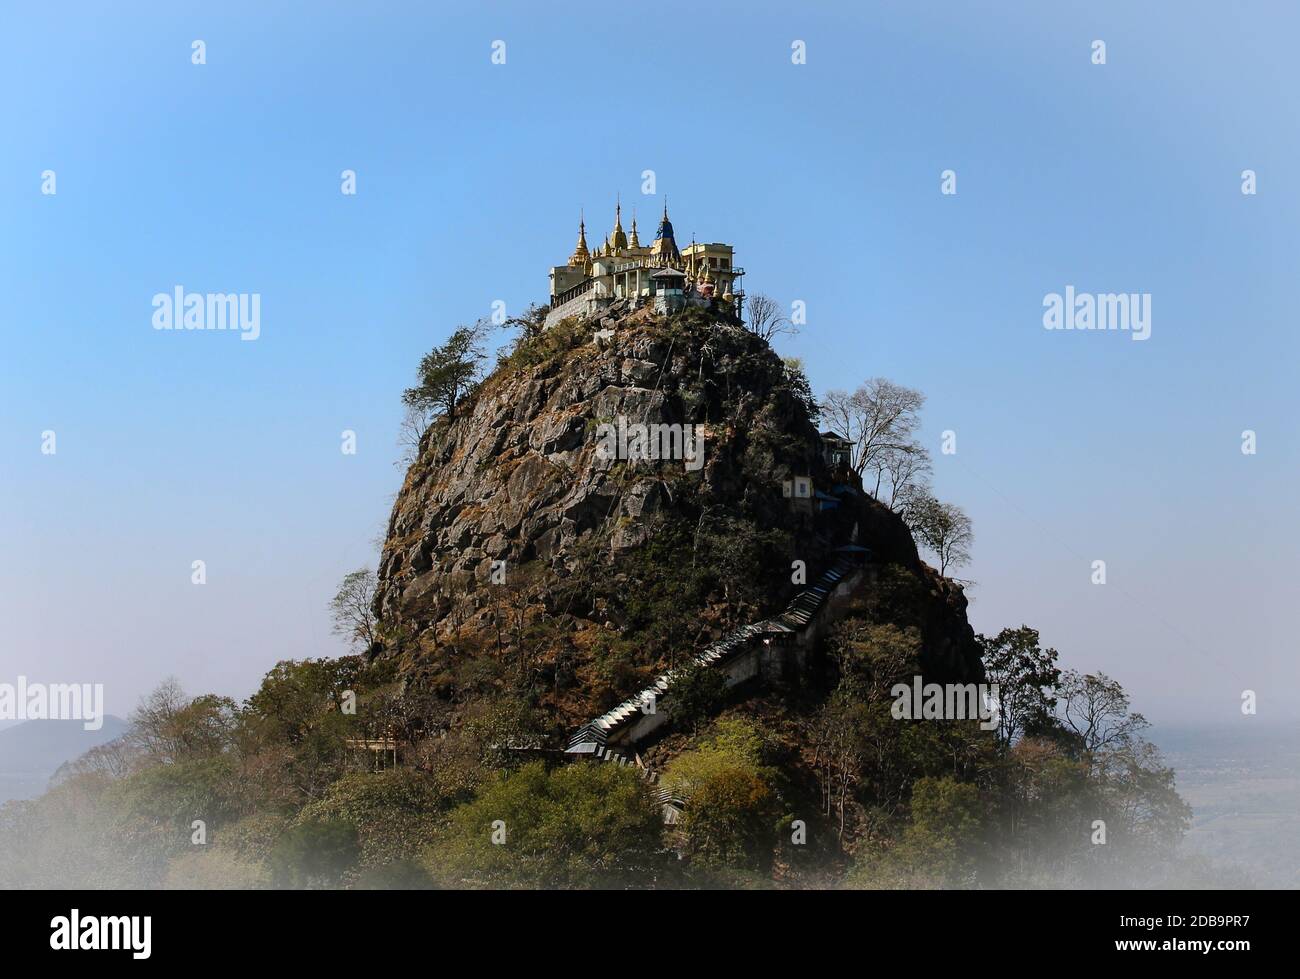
{"x": 817, "y": 785}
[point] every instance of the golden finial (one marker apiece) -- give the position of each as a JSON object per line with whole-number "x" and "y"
{"x": 580, "y": 257}
{"x": 617, "y": 240}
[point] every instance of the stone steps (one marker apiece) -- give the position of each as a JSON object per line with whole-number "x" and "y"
{"x": 595, "y": 733}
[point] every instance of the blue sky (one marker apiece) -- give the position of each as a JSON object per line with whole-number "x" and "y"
{"x": 1123, "y": 177}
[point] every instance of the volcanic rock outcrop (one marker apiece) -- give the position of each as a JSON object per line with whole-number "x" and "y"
{"x": 515, "y": 545}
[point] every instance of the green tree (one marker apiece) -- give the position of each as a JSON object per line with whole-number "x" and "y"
{"x": 871, "y": 657}
{"x": 299, "y": 697}
{"x": 1026, "y": 676}
{"x": 395, "y": 813}
{"x": 294, "y": 729}
{"x": 695, "y": 695}
{"x": 150, "y": 814}
{"x": 1142, "y": 800}
{"x": 796, "y": 381}
{"x": 1088, "y": 779}
{"x": 582, "y": 825}
{"x": 402, "y": 874}
{"x": 731, "y": 803}
{"x": 945, "y": 828}
{"x": 940, "y": 846}
{"x": 737, "y": 557}
{"x": 169, "y": 726}
{"x": 448, "y": 372}
{"x": 314, "y": 854}
{"x": 942, "y": 527}
{"x": 212, "y": 869}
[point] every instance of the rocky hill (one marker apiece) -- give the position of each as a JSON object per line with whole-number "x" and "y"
{"x": 518, "y": 557}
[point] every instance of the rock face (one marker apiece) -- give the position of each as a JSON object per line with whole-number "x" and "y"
{"x": 511, "y": 498}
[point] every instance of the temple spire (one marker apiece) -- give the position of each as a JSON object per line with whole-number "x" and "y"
{"x": 581, "y": 257}
{"x": 617, "y": 239}
{"x": 664, "y": 248}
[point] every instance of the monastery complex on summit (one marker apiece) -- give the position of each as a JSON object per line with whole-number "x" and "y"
{"x": 661, "y": 274}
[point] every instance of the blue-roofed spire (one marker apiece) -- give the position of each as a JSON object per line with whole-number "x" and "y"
{"x": 665, "y": 246}
{"x": 665, "y": 226}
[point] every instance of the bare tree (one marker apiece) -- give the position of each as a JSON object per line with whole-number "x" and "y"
{"x": 169, "y": 726}
{"x": 765, "y": 319}
{"x": 352, "y": 611}
{"x": 942, "y": 527}
{"x": 114, "y": 759}
{"x": 415, "y": 422}
{"x": 152, "y": 725}
{"x": 838, "y": 755}
{"x": 902, "y": 473}
{"x": 878, "y": 418}
{"x": 1095, "y": 708}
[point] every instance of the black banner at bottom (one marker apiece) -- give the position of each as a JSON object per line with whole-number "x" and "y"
{"x": 224, "y": 931}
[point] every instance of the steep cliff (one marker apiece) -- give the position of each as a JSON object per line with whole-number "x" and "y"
{"x": 518, "y": 556}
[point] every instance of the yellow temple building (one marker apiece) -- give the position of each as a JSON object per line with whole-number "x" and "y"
{"x": 661, "y": 274}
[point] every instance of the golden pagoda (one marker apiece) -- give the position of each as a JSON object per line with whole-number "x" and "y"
{"x": 617, "y": 240}
{"x": 581, "y": 258}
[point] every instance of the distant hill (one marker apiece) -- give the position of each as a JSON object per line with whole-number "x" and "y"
{"x": 30, "y": 752}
